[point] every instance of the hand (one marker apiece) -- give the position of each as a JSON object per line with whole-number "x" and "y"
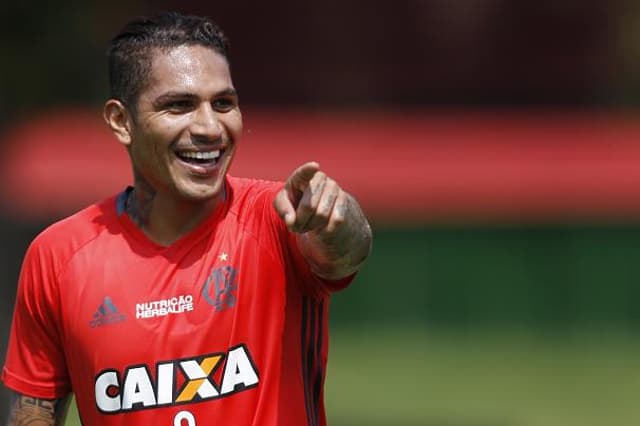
{"x": 311, "y": 201}
{"x": 332, "y": 232}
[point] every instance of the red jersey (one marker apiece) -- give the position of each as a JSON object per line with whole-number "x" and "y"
{"x": 226, "y": 326}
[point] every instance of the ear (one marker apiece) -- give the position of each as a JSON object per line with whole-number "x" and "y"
{"x": 119, "y": 120}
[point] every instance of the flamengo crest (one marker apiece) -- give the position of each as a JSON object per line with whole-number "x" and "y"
{"x": 220, "y": 287}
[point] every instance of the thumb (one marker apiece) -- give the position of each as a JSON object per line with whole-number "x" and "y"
{"x": 285, "y": 208}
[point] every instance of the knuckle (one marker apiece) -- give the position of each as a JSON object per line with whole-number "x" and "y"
{"x": 322, "y": 215}
{"x": 324, "y": 210}
{"x": 339, "y": 220}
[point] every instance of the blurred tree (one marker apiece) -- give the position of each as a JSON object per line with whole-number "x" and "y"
{"x": 54, "y": 53}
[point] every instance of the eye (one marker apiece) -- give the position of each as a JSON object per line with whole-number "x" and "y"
{"x": 224, "y": 104}
{"x": 179, "y": 105}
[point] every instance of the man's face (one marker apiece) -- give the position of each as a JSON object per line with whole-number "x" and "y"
{"x": 187, "y": 124}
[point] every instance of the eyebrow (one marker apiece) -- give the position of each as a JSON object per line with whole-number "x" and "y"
{"x": 172, "y": 96}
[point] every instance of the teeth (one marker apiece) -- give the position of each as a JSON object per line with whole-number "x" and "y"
{"x": 201, "y": 155}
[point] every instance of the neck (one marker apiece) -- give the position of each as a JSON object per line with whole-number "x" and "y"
{"x": 164, "y": 219}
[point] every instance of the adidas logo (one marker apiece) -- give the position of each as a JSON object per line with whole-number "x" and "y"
{"x": 107, "y": 313}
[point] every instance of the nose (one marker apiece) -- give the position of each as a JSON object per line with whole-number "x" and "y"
{"x": 206, "y": 126}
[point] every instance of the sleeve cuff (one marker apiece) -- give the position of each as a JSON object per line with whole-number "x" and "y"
{"x": 35, "y": 390}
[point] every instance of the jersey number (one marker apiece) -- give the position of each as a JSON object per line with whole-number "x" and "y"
{"x": 185, "y": 416}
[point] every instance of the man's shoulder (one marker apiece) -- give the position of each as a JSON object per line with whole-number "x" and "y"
{"x": 77, "y": 229}
{"x": 250, "y": 186}
{"x": 246, "y": 192}
{"x": 252, "y": 200}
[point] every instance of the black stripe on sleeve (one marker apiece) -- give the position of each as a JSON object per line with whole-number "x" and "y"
{"x": 311, "y": 349}
{"x": 304, "y": 330}
{"x": 319, "y": 373}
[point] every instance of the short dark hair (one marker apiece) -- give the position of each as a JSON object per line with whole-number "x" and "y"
{"x": 131, "y": 50}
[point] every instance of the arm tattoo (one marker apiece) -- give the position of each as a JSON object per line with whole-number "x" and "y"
{"x": 337, "y": 254}
{"x": 344, "y": 208}
{"x": 26, "y": 410}
{"x": 348, "y": 243}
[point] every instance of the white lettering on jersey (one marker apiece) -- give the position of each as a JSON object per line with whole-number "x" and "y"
{"x": 165, "y": 384}
{"x": 105, "y": 381}
{"x": 176, "y": 382}
{"x": 194, "y": 372}
{"x": 137, "y": 389}
{"x": 164, "y": 307}
{"x": 238, "y": 373}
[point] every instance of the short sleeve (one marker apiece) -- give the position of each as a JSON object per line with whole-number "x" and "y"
{"x": 35, "y": 363}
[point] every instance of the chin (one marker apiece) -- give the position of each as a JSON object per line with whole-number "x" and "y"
{"x": 201, "y": 192}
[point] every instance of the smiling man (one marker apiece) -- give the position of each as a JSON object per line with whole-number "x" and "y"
{"x": 192, "y": 297}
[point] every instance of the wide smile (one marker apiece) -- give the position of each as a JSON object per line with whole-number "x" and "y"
{"x": 200, "y": 162}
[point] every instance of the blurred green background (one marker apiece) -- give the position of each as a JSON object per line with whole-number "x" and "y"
{"x": 507, "y": 318}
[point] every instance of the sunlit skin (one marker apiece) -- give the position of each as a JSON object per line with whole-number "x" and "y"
{"x": 189, "y": 104}
{"x": 332, "y": 231}
{"x": 188, "y": 108}
{"x": 30, "y": 411}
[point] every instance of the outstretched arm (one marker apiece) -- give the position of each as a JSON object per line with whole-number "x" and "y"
{"x": 333, "y": 233}
{"x": 25, "y": 410}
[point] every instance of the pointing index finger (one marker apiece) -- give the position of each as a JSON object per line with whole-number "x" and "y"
{"x": 299, "y": 179}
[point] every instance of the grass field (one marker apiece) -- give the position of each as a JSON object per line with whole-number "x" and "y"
{"x": 507, "y": 378}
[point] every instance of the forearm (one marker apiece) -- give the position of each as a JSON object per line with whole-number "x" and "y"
{"x": 338, "y": 250}
{"x": 25, "y": 410}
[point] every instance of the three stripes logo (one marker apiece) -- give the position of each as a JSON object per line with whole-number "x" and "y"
{"x": 107, "y": 313}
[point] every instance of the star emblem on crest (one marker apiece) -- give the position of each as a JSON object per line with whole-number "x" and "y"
{"x": 223, "y": 257}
